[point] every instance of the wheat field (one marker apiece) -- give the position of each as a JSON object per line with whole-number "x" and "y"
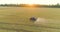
{"x": 16, "y": 19}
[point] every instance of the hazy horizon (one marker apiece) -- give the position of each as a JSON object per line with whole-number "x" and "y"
{"x": 45, "y": 2}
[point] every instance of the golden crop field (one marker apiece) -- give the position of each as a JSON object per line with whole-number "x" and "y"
{"x": 16, "y": 19}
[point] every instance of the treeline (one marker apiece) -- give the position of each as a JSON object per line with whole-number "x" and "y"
{"x": 53, "y": 6}
{"x": 9, "y": 5}
{"x": 26, "y": 5}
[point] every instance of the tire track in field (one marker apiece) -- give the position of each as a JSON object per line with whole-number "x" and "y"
{"x": 28, "y": 25}
{"x": 17, "y": 30}
{"x": 14, "y": 29}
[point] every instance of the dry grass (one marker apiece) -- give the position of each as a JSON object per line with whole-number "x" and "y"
{"x": 21, "y": 16}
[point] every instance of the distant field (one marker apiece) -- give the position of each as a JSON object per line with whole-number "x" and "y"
{"x": 21, "y": 16}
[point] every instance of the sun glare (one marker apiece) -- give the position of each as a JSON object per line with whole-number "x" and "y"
{"x": 31, "y": 5}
